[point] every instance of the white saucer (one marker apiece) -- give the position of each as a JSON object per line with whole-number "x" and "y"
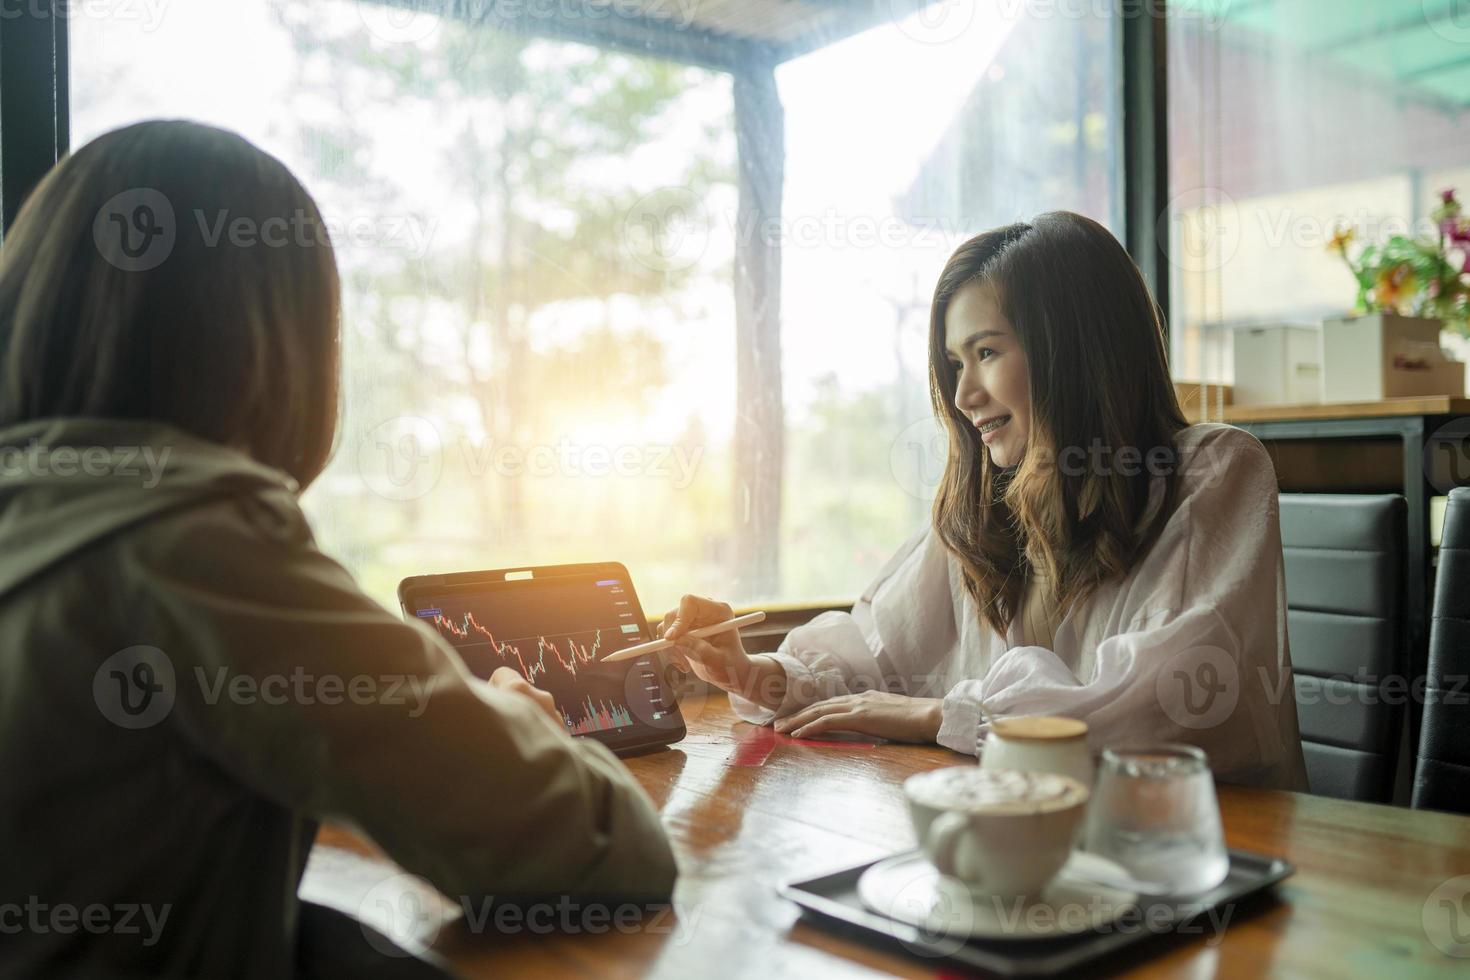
{"x": 909, "y": 889}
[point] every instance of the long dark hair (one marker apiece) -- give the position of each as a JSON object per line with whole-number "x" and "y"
{"x": 1094, "y": 345}
{"x": 174, "y": 272}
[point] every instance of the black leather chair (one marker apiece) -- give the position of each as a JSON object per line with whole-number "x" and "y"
{"x": 1442, "y": 777}
{"x": 1344, "y": 598}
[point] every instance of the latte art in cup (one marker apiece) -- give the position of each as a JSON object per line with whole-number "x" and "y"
{"x": 1002, "y": 832}
{"x": 995, "y": 791}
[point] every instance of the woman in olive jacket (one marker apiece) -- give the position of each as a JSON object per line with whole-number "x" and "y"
{"x": 187, "y": 685}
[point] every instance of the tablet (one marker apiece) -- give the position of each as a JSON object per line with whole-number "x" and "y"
{"x": 553, "y": 624}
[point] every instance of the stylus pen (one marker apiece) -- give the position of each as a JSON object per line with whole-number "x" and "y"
{"x": 654, "y": 646}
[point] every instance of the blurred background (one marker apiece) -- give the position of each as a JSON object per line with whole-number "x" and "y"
{"x": 649, "y": 281}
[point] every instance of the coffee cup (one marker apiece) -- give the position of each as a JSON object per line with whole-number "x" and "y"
{"x": 1001, "y": 832}
{"x": 1039, "y": 743}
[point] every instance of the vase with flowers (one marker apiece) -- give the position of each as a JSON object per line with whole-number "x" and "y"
{"x": 1413, "y": 298}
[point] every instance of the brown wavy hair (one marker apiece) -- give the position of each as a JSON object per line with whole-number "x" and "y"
{"x": 1095, "y": 357}
{"x": 234, "y": 340}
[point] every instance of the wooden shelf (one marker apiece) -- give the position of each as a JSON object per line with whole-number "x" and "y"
{"x": 1421, "y": 405}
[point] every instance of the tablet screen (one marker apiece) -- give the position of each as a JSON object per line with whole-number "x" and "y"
{"x": 554, "y": 629}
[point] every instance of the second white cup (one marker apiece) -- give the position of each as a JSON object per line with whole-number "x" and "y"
{"x": 1039, "y": 743}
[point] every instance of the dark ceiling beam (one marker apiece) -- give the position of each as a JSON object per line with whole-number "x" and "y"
{"x": 607, "y": 25}
{"x": 854, "y": 16}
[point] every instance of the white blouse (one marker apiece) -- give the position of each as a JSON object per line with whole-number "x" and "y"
{"x": 1190, "y": 646}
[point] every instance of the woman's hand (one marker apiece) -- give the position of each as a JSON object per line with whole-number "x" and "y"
{"x": 721, "y": 659}
{"x": 509, "y": 680}
{"x": 892, "y": 716}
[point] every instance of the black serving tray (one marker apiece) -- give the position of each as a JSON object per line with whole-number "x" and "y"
{"x": 832, "y": 899}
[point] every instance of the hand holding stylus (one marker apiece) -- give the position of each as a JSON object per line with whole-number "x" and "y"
{"x": 719, "y": 657}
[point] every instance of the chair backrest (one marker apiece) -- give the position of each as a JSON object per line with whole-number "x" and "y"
{"x": 1442, "y": 777}
{"x": 1344, "y": 598}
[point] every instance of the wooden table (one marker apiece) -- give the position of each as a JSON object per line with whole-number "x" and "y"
{"x": 1355, "y": 906}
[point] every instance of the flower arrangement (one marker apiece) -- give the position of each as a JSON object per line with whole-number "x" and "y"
{"x": 1416, "y": 276}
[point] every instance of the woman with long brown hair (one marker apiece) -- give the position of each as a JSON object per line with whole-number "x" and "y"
{"x": 1090, "y": 553}
{"x": 187, "y": 684}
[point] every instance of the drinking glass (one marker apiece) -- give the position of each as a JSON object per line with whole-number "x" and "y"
{"x": 1154, "y": 812}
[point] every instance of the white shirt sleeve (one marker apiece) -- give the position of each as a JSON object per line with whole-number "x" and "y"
{"x": 1168, "y": 682}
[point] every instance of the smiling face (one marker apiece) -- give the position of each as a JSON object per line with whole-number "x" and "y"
{"x": 992, "y": 386}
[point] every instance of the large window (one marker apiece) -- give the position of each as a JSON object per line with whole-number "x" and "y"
{"x": 645, "y": 282}
{"x": 1289, "y": 118}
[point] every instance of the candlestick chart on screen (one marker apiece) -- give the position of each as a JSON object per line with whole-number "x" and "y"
{"x": 555, "y": 636}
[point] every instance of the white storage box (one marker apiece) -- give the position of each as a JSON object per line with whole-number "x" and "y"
{"x": 1277, "y": 365}
{"x": 1383, "y": 355}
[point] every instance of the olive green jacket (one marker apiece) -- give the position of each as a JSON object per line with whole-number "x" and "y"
{"x": 187, "y": 685}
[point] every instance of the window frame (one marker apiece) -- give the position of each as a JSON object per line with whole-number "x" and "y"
{"x": 35, "y": 117}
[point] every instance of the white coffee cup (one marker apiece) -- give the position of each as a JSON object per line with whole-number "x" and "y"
{"x": 1039, "y": 743}
{"x": 1003, "y": 833}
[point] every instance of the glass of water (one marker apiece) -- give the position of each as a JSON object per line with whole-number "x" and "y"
{"x": 1154, "y": 811}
